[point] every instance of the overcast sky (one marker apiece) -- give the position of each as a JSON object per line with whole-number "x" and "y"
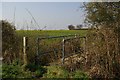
{"x": 53, "y": 15}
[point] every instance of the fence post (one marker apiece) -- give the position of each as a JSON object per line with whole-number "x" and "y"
{"x": 36, "y": 59}
{"x": 63, "y": 50}
{"x": 86, "y": 51}
{"x": 84, "y": 40}
{"x": 25, "y": 44}
{"x": 75, "y": 35}
{"x": 37, "y": 46}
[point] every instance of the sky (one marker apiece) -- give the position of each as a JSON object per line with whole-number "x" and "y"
{"x": 53, "y": 15}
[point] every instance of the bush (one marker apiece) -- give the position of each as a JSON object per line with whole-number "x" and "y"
{"x": 102, "y": 55}
{"x": 31, "y": 67}
{"x": 8, "y": 35}
{"x": 80, "y": 75}
{"x": 37, "y": 70}
{"x": 10, "y": 46}
{"x": 14, "y": 71}
{"x": 56, "y": 72}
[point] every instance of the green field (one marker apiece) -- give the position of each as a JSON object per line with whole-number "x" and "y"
{"x": 36, "y": 33}
{"x": 33, "y": 34}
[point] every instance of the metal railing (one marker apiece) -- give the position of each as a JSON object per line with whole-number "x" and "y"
{"x": 62, "y": 49}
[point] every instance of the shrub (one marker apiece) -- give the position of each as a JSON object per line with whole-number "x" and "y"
{"x": 31, "y": 67}
{"x": 14, "y": 71}
{"x": 102, "y": 54}
{"x": 56, "y": 72}
{"x": 37, "y": 70}
{"x": 8, "y": 35}
{"x": 10, "y": 46}
{"x": 80, "y": 75}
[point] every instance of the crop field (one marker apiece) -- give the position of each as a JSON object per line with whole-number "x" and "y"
{"x": 37, "y": 33}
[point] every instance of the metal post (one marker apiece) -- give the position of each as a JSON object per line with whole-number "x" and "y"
{"x": 55, "y": 56}
{"x": 85, "y": 44}
{"x": 85, "y": 50}
{"x": 36, "y": 59}
{"x": 63, "y": 50}
{"x": 37, "y": 46}
{"x": 24, "y": 50}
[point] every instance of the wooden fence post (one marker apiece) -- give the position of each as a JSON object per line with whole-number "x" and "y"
{"x": 75, "y": 35}
{"x": 25, "y": 40}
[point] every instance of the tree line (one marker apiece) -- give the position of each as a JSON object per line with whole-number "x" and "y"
{"x": 72, "y": 27}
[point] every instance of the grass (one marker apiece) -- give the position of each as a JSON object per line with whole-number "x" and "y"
{"x": 57, "y": 72}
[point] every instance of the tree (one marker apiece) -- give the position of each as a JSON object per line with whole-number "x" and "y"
{"x": 104, "y": 13}
{"x": 105, "y": 41}
{"x": 71, "y": 27}
{"x": 79, "y": 26}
